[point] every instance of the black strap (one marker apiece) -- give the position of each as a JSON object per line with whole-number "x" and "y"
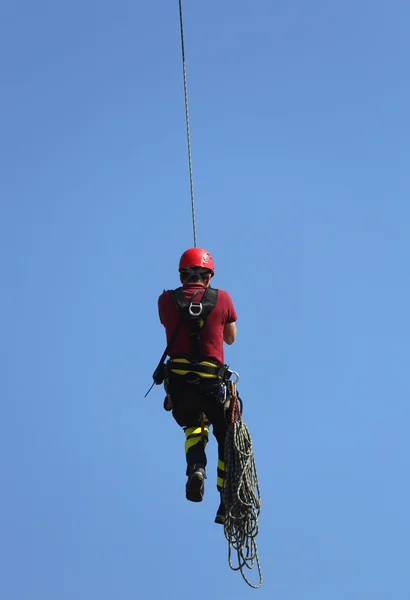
{"x": 196, "y": 313}
{"x": 175, "y": 332}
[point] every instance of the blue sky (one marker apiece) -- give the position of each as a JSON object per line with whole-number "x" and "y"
{"x": 300, "y": 133}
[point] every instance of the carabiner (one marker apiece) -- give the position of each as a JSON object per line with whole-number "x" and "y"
{"x": 236, "y": 375}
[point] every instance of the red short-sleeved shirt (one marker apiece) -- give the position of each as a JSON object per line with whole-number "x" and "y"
{"x": 212, "y": 344}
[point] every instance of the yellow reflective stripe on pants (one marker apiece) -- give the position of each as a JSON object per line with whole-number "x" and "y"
{"x": 191, "y": 430}
{"x": 220, "y": 483}
{"x": 193, "y": 441}
{"x": 194, "y": 436}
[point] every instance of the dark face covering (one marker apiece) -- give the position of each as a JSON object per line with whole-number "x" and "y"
{"x": 194, "y": 275}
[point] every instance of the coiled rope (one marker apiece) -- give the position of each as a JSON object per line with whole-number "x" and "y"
{"x": 241, "y": 496}
{"x": 188, "y": 129}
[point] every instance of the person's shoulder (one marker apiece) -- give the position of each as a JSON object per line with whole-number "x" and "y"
{"x": 166, "y": 294}
{"x": 223, "y": 295}
{"x": 222, "y": 292}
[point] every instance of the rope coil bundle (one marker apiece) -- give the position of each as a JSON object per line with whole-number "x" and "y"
{"x": 241, "y": 498}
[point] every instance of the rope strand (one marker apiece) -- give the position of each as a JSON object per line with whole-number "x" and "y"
{"x": 188, "y": 130}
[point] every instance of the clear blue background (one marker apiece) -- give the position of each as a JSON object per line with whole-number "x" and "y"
{"x": 300, "y": 132}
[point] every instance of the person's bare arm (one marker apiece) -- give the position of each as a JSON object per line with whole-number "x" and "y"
{"x": 229, "y": 333}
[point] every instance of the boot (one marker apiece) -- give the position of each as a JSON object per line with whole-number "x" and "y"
{"x": 195, "y": 486}
{"x": 220, "y": 514}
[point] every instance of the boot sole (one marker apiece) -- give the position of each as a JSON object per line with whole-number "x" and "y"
{"x": 195, "y": 489}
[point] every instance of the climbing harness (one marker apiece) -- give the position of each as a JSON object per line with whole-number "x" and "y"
{"x": 241, "y": 494}
{"x": 188, "y": 129}
{"x": 196, "y": 314}
{"x": 206, "y": 369}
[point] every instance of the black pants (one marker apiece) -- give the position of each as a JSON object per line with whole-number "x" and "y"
{"x": 190, "y": 400}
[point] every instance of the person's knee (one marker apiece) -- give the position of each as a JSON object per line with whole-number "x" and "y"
{"x": 181, "y": 418}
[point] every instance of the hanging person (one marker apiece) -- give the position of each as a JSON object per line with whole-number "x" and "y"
{"x": 198, "y": 319}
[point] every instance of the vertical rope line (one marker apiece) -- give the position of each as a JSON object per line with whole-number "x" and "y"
{"x": 188, "y": 130}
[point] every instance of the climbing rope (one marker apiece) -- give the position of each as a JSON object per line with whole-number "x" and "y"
{"x": 188, "y": 130}
{"x": 241, "y": 497}
{"x": 241, "y": 494}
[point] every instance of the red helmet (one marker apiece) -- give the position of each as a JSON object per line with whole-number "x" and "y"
{"x": 197, "y": 257}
